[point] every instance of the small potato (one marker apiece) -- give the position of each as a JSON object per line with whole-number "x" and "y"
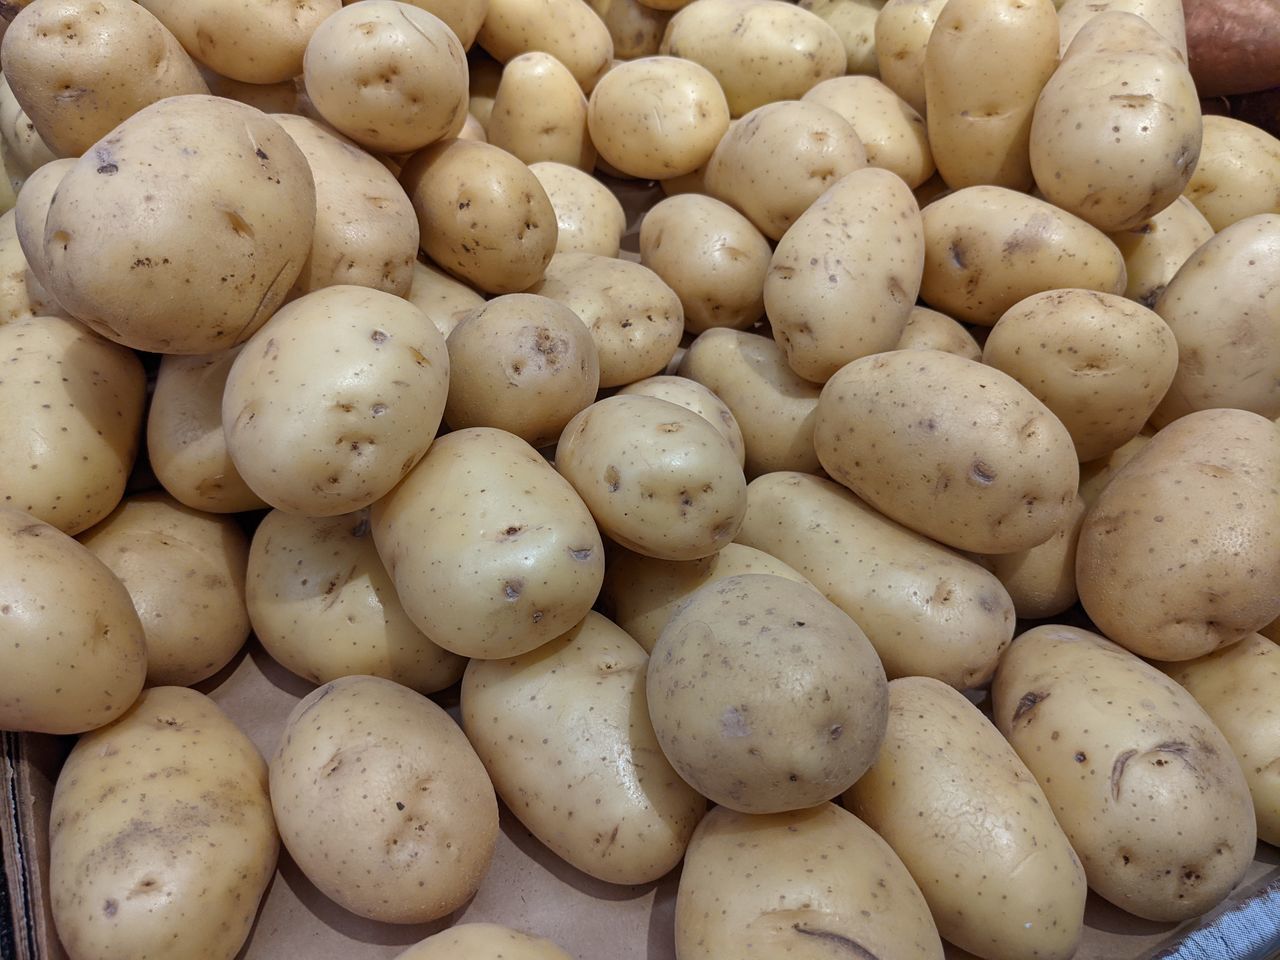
{"x": 711, "y": 256}
{"x": 483, "y": 215}
{"x": 22, "y": 296}
{"x": 324, "y": 606}
{"x": 569, "y": 30}
{"x": 797, "y": 885}
{"x": 1100, "y": 362}
{"x": 326, "y": 425}
{"x": 522, "y": 363}
{"x": 1142, "y": 782}
{"x": 953, "y": 449}
{"x": 1117, "y": 130}
{"x": 1239, "y": 688}
{"x": 658, "y": 117}
{"x": 1096, "y": 474}
{"x": 1041, "y": 580}
{"x": 589, "y": 218}
{"x": 658, "y": 478}
{"x": 75, "y": 66}
{"x": 1180, "y": 555}
{"x": 185, "y": 572}
{"x": 845, "y": 276}
{"x": 366, "y": 232}
{"x": 903, "y": 29}
{"x": 765, "y": 696}
{"x": 635, "y": 319}
{"x": 161, "y": 837}
{"x": 492, "y": 552}
{"x": 759, "y": 50}
{"x": 381, "y": 801}
{"x": 75, "y": 653}
{"x": 32, "y": 210}
{"x": 944, "y": 783}
{"x": 483, "y": 941}
{"x": 1220, "y": 306}
{"x": 635, "y": 28}
{"x": 892, "y": 132}
{"x": 774, "y": 407}
{"x": 927, "y": 329}
{"x": 472, "y": 129}
{"x": 389, "y": 75}
{"x": 463, "y": 17}
{"x": 780, "y": 158}
{"x": 1238, "y": 174}
{"x": 443, "y": 299}
{"x": 564, "y": 732}
{"x": 1166, "y": 16}
{"x": 539, "y": 113}
{"x": 855, "y": 23}
{"x": 24, "y": 150}
{"x": 986, "y": 248}
{"x": 693, "y": 396}
{"x": 1155, "y": 249}
{"x": 287, "y": 96}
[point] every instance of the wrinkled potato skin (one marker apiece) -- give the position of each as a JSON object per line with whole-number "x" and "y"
{"x": 540, "y": 114}
{"x": 693, "y": 396}
{"x": 1180, "y": 555}
{"x": 903, "y": 30}
{"x": 927, "y": 329}
{"x": 1042, "y": 580}
{"x": 443, "y": 299}
{"x": 480, "y": 941}
{"x": 1141, "y": 781}
{"x": 1238, "y": 174}
{"x": 569, "y": 30}
{"x": 892, "y": 132}
{"x": 1166, "y": 16}
{"x": 589, "y": 218}
{"x": 1157, "y": 248}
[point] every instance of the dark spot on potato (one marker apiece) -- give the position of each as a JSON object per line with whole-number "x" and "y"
{"x": 982, "y": 473}
{"x": 399, "y": 805}
{"x": 108, "y": 169}
{"x": 612, "y": 479}
{"x": 839, "y": 940}
{"x": 956, "y": 252}
{"x": 581, "y": 553}
{"x": 511, "y": 531}
{"x": 836, "y": 732}
{"x": 512, "y": 589}
{"x": 1117, "y": 771}
{"x": 261, "y": 154}
{"x": 379, "y": 336}
{"x": 1080, "y": 756}
{"x": 1027, "y": 703}
{"x": 110, "y": 907}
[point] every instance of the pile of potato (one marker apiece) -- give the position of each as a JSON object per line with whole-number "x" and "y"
{"x": 316, "y": 323}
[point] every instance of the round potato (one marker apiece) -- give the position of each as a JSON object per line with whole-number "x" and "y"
{"x": 381, "y": 801}
{"x": 927, "y": 329}
{"x": 183, "y": 230}
{"x": 1041, "y": 580}
{"x": 75, "y": 66}
{"x": 892, "y": 132}
{"x": 1238, "y": 174}
{"x": 1166, "y": 16}
{"x": 540, "y": 114}
{"x": 472, "y": 199}
{"x": 569, "y": 30}
{"x": 31, "y": 210}
{"x": 523, "y": 363}
{"x": 658, "y": 478}
{"x": 161, "y": 837}
{"x": 443, "y": 299}
{"x": 1156, "y": 248}
{"x": 589, "y": 218}
{"x": 463, "y": 17}
{"x": 855, "y": 23}
{"x": 903, "y": 30}
{"x": 658, "y": 117}
{"x": 693, "y": 396}
{"x": 483, "y": 941}
{"x": 759, "y": 50}
{"x": 636, "y": 28}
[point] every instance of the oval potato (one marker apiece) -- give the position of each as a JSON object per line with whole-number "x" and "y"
{"x": 903, "y": 29}
{"x": 1166, "y": 16}
{"x": 927, "y": 329}
{"x": 569, "y": 30}
{"x": 589, "y": 218}
{"x": 1157, "y": 248}
{"x": 1041, "y": 580}
{"x": 540, "y": 114}
{"x": 442, "y": 298}
{"x": 892, "y": 132}
{"x": 693, "y": 396}
{"x": 1238, "y": 174}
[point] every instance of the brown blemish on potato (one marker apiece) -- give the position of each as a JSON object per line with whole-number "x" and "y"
{"x": 581, "y": 553}
{"x": 612, "y": 479}
{"x": 1117, "y": 771}
{"x": 379, "y": 336}
{"x": 110, "y": 907}
{"x": 839, "y": 940}
{"x": 512, "y": 589}
{"x": 1027, "y": 703}
{"x": 982, "y": 473}
{"x": 238, "y": 224}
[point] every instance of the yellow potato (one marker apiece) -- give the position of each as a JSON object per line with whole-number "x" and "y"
{"x": 24, "y": 150}
{"x": 569, "y": 30}
{"x": 903, "y": 30}
{"x": 927, "y": 329}
{"x": 1166, "y": 16}
{"x": 892, "y": 132}
{"x": 30, "y": 211}
{"x": 22, "y": 295}
{"x": 443, "y": 299}
{"x": 539, "y": 113}
{"x": 635, "y": 28}
{"x": 855, "y": 23}
{"x": 1041, "y": 580}
{"x": 1096, "y": 474}
{"x": 589, "y": 218}
{"x": 1238, "y": 174}
{"x": 483, "y": 941}
{"x": 693, "y": 396}
{"x": 463, "y": 17}
{"x": 1156, "y": 248}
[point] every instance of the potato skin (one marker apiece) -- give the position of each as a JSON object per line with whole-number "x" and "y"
{"x": 693, "y": 396}
{"x": 903, "y": 30}
{"x": 1156, "y": 248}
{"x": 30, "y": 211}
{"x": 1238, "y": 174}
{"x": 589, "y": 218}
{"x": 479, "y": 941}
{"x": 892, "y": 132}
{"x": 968, "y": 819}
{"x": 569, "y": 30}
{"x": 540, "y": 114}
{"x": 442, "y": 298}
{"x": 1181, "y": 553}
{"x": 161, "y": 835}
{"x": 927, "y": 329}
{"x": 1041, "y": 580}
{"x": 1142, "y": 782}
{"x": 1166, "y": 16}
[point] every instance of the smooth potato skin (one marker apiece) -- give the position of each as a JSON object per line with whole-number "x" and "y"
{"x": 1165, "y": 15}
{"x": 892, "y": 132}
{"x": 482, "y": 941}
{"x": 30, "y": 211}
{"x": 692, "y": 395}
{"x": 1042, "y": 579}
{"x": 1144, "y": 785}
{"x": 1238, "y": 174}
{"x": 569, "y": 30}
{"x": 589, "y": 218}
{"x": 1180, "y": 555}
{"x": 161, "y": 835}
{"x": 1157, "y": 248}
{"x": 540, "y": 114}
{"x": 442, "y": 298}
{"x": 927, "y": 329}
{"x": 903, "y": 29}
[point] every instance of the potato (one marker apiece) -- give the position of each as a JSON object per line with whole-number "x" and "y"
{"x": 22, "y": 296}
{"x": 693, "y": 396}
{"x": 24, "y": 150}
{"x": 483, "y": 76}
{"x": 798, "y": 885}
{"x": 1099, "y": 362}
{"x": 986, "y": 248}
{"x": 286, "y": 96}
{"x": 927, "y": 329}
{"x": 483, "y": 941}
{"x": 845, "y": 275}
{"x": 539, "y": 113}
{"x": 443, "y": 299}
{"x": 463, "y": 17}
{"x": 182, "y": 230}
{"x": 31, "y": 210}
{"x": 759, "y": 50}
{"x": 1116, "y": 133}
{"x": 765, "y": 696}
{"x": 381, "y": 801}
{"x": 1096, "y": 474}
{"x": 1232, "y": 47}
{"x": 892, "y": 132}
{"x": 326, "y": 426}
{"x": 1041, "y": 580}
{"x": 635, "y": 319}
{"x": 472, "y": 199}
{"x": 711, "y": 256}
{"x": 161, "y": 837}
{"x": 1219, "y": 308}
{"x": 564, "y": 732}
{"x": 366, "y": 232}
{"x": 1180, "y": 555}
{"x": 75, "y": 654}
{"x": 903, "y": 29}
{"x": 774, "y": 407}
{"x": 512, "y": 563}
{"x": 76, "y": 67}
{"x": 658, "y": 478}
{"x": 522, "y": 363}
{"x": 1142, "y": 782}
{"x": 780, "y": 158}
{"x": 855, "y": 23}
{"x": 945, "y": 782}
{"x": 1166, "y": 16}
{"x": 1155, "y": 249}
{"x": 1238, "y": 174}
{"x": 569, "y": 30}
{"x": 635, "y": 28}
{"x": 589, "y": 218}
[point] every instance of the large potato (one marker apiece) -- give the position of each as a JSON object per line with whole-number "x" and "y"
{"x": 1041, "y": 580}
{"x": 1142, "y": 782}
{"x": 845, "y": 275}
{"x": 969, "y": 821}
{"x": 927, "y": 329}
{"x": 1156, "y": 248}
{"x": 927, "y": 610}
{"x": 75, "y": 653}
{"x": 161, "y": 836}
{"x": 903, "y": 30}
{"x": 443, "y": 299}
{"x": 569, "y": 30}
{"x": 381, "y": 801}
{"x": 892, "y": 132}
{"x": 808, "y": 885}
{"x": 483, "y": 941}
{"x": 1238, "y": 174}
{"x": 182, "y": 230}
{"x": 564, "y": 732}
{"x": 693, "y": 396}
{"x": 1181, "y": 553}
{"x": 540, "y": 114}
{"x": 491, "y": 551}
{"x": 589, "y": 218}
{"x": 1166, "y": 16}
